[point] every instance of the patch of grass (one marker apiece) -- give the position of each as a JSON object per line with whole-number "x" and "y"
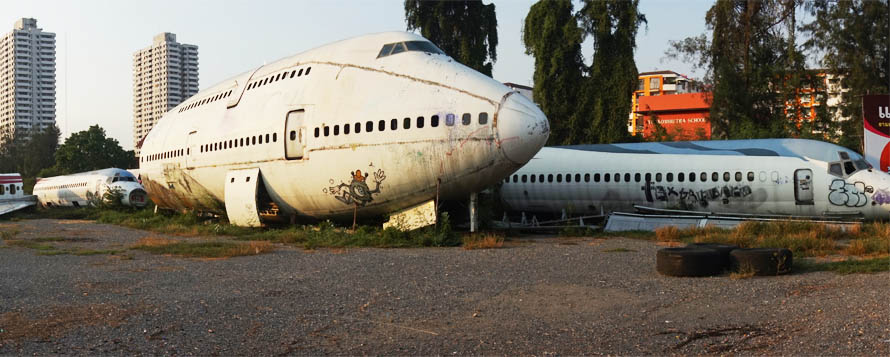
{"x": 7, "y": 235}
{"x": 850, "y": 266}
{"x": 482, "y": 241}
{"x": 30, "y": 244}
{"x": 667, "y": 234}
{"x": 213, "y": 249}
{"x": 619, "y": 250}
{"x": 745, "y": 271}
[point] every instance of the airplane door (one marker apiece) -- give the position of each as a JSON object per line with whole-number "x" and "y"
{"x": 190, "y": 151}
{"x": 294, "y": 135}
{"x": 803, "y": 186}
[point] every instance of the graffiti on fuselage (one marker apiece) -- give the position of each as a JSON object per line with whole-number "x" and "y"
{"x": 687, "y": 198}
{"x": 356, "y": 192}
{"x": 843, "y": 193}
{"x": 881, "y": 197}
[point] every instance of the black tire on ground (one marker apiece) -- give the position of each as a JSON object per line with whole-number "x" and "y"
{"x": 763, "y": 261}
{"x": 688, "y": 262}
{"x": 723, "y": 249}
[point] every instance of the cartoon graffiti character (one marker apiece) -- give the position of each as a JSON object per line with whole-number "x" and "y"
{"x": 357, "y": 191}
{"x": 881, "y": 197}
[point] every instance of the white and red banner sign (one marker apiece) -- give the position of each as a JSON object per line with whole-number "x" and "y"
{"x": 876, "y": 113}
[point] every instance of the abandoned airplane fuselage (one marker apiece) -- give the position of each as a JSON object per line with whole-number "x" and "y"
{"x": 87, "y": 188}
{"x": 766, "y": 176}
{"x": 372, "y": 125}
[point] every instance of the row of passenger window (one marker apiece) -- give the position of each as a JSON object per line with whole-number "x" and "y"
{"x": 240, "y": 142}
{"x": 420, "y": 122}
{"x": 637, "y": 177}
{"x": 279, "y": 76}
{"x": 206, "y": 100}
{"x": 59, "y": 187}
{"x": 11, "y": 189}
{"x": 164, "y": 155}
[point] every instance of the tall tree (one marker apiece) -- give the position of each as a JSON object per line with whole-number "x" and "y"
{"x": 465, "y": 30}
{"x": 92, "y": 150}
{"x": 551, "y": 34}
{"x": 853, "y": 40}
{"x": 752, "y": 63}
{"x": 31, "y": 152}
{"x": 613, "y": 74}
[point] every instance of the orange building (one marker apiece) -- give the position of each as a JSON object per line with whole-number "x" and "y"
{"x": 683, "y": 116}
{"x": 655, "y": 84}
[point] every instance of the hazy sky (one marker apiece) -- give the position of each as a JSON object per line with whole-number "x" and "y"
{"x": 95, "y": 41}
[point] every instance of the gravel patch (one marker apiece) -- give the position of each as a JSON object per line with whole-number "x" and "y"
{"x": 542, "y": 296}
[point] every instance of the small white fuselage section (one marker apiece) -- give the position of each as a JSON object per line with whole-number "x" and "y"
{"x": 370, "y": 125}
{"x": 767, "y": 177}
{"x": 87, "y": 188}
{"x": 12, "y": 196}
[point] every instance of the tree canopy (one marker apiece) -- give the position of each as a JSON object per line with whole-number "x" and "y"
{"x": 91, "y": 150}
{"x": 465, "y": 30}
{"x": 585, "y": 104}
{"x": 30, "y": 153}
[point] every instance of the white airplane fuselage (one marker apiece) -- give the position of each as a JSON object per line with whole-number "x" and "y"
{"x": 85, "y": 188}
{"x": 339, "y": 129}
{"x": 767, "y": 177}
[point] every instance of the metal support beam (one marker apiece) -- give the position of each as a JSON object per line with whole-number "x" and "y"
{"x": 473, "y": 222}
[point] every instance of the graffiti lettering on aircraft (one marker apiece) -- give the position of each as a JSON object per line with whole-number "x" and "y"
{"x": 691, "y": 198}
{"x": 843, "y": 193}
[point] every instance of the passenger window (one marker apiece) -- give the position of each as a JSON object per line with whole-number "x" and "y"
{"x": 307, "y": 70}
{"x": 626, "y": 177}
{"x": 434, "y": 121}
{"x": 267, "y": 138}
{"x": 750, "y": 176}
{"x": 419, "y": 122}
{"x": 369, "y": 126}
{"x": 275, "y": 135}
{"x": 515, "y": 178}
{"x": 406, "y": 123}
{"x": 568, "y": 177}
{"x": 253, "y": 141}
{"x": 524, "y": 178}
{"x": 465, "y": 120}
{"x": 596, "y": 177}
{"x": 681, "y": 177}
{"x": 292, "y": 73}
{"x": 293, "y": 134}
{"x": 617, "y": 177}
{"x": 300, "y": 73}
{"x": 703, "y": 177}
{"x": 345, "y": 130}
{"x": 381, "y": 125}
{"x": 336, "y": 132}
{"x": 577, "y": 177}
{"x": 648, "y": 177}
{"x": 316, "y": 133}
{"x": 715, "y": 177}
{"x": 725, "y": 176}
{"x": 483, "y": 118}
{"x": 607, "y": 177}
{"x": 541, "y": 177}
{"x": 586, "y": 177}
{"x": 358, "y": 128}
{"x": 558, "y": 177}
{"x": 327, "y": 132}
{"x": 550, "y": 178}
{"x": 393, "y": 124}
{"x": 449, "y": 119}
{"x": 670, "y": 177}
{"x": 692, "y": 177}
{"x": 835, "y": 169}
{"x": 533, "y": 179}
{"x": 738, "y": 176}
{"x": 658, "y": 177}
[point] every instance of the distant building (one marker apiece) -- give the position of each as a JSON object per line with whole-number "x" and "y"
{"x": 524, "y": 90}
{"x": 680, "y": 116}
{"x": 27, "y": 79}
{"x": 164, "y": 75}
{"x": 653, "y": 84}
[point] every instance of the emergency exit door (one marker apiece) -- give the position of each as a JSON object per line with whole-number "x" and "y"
{"x": 803, "y": 186}
{"x": 294, "y": 135}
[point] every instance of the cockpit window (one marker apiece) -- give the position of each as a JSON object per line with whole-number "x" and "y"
{"x": 843, "y": 155}
{"x": 835, "y": 169}
{"x": 849, "y": 168}
{"x": 861, "y": 164}
{"x": 399, "y": 47}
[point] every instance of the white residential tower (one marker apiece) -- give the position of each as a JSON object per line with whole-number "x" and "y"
{"x": 27, "y": 79}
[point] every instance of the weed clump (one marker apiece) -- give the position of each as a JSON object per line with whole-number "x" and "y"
{"x": 212, "y": 249}
{"x": 667, "y": 234}
{"x": 482, "y": 241}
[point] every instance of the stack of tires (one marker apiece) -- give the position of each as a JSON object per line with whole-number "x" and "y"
{"x": 707, "y": 259}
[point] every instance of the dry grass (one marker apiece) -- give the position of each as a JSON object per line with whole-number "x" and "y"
{"x": 745, "y": 271}
{"x": 483, "y": 241}
{"x": 56, "y": 321}
{"x": 667, "y": 234}
{"x": 206, "y": 249}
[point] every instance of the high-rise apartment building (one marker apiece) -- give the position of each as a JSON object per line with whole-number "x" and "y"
{"x": 164, "y": 75}
{"x": 27, "y": 80}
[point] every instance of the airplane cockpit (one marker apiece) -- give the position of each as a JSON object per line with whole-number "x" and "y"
{"x": 408, "y": 46}
{"x": 847, "y": 166}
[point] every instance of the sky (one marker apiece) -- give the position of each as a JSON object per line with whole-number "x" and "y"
{"x": 96, "y": 39}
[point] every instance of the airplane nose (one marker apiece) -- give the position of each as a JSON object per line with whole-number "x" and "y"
{"x": 522, "y": 128}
